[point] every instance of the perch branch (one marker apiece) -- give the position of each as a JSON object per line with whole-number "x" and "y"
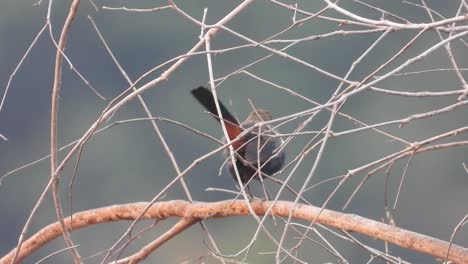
{"x": 201, "y": 210}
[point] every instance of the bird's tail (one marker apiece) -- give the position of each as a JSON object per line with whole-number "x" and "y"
{"x": 206, "y": 99}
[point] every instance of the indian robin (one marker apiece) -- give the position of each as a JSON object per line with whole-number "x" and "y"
{"x": 254, "y": 148}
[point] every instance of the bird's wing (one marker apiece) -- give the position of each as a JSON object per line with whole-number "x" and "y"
{"x": 260, "y": 150}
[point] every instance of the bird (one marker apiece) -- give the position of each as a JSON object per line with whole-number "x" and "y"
{"x": 257, "y": 149}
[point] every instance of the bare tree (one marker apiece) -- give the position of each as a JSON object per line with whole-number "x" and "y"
{"x": 369, "y": 100}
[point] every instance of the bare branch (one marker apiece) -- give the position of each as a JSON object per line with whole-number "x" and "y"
{"x": 192, "y": 212}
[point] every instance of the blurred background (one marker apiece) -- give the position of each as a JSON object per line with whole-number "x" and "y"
{"x": 127, "y": 163}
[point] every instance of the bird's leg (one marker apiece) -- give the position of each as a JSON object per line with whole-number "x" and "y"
{"x": 266, "y": 193}
{"x": 249, "y": 193}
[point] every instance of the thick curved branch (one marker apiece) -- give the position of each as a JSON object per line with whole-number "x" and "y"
{"x": 228, "y": 208}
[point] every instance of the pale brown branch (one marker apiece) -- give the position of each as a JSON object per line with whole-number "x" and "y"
{"x": 395, "y": 25}
{"x": 137, "y": 9}
{"x": 178, "y": 228}
{"x": 228, "y": 208}
{"x": 53, "y": 126}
